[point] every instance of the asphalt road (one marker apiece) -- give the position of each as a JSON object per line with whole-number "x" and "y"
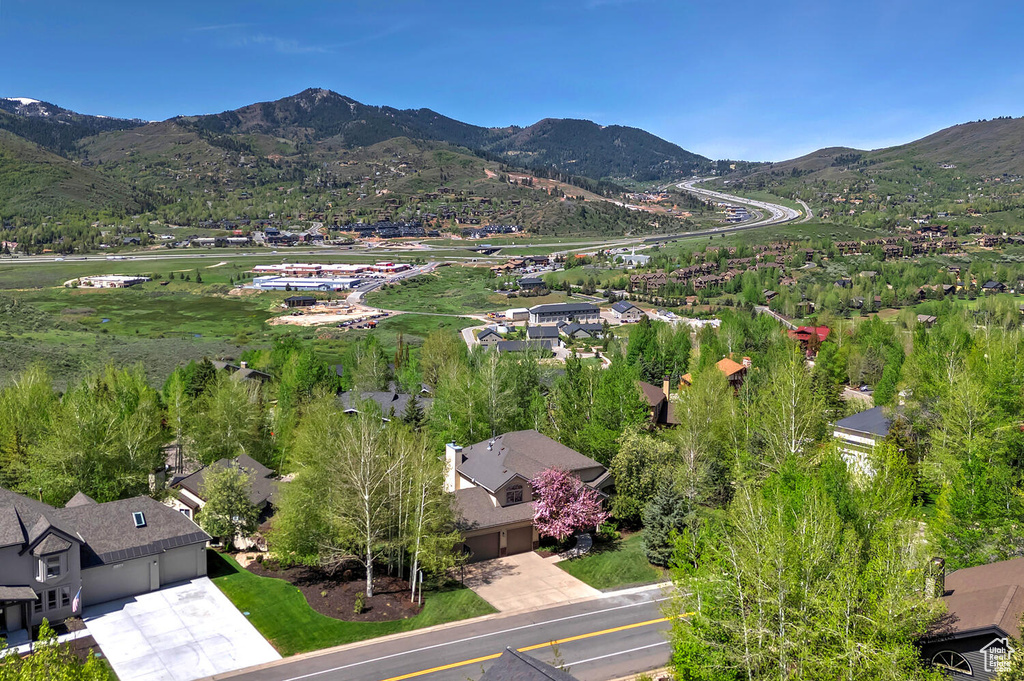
{"x": 596, "y": 640}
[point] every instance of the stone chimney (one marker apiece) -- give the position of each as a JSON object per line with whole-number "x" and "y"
{"x": 747, "y": 363}
{"x": 664, "y": 386}
{"x": 935, "y": 578}
{"x": 452, "y": 458}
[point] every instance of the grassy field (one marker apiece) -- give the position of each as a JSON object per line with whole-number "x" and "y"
{"x": 454, "y": 291}
{"x": 281, "y": 614}
{"x": 614, "y": 565}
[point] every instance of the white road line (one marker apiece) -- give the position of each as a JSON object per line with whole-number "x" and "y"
{"x": 471, "y": 638}
{"x": 621, "y": 652}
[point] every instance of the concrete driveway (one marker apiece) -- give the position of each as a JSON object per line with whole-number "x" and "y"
{"x": 525, "y": 581}
{"x": 179, "y": 633}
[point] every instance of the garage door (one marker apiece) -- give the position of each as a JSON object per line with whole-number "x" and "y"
{"x": 110, "y": 582}
{"x": 179, "y": 565}
{"x": 484, "y": 547}
{"x": 520, "y": 540}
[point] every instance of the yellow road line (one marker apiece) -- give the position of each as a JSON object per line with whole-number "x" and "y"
{"x": 495, "y": 656}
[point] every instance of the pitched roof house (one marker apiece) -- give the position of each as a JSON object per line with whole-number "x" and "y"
{"x": 389, "y": 401}
{"x": 626, "y": 312}
{"x": 493, "y": 494}
{"x": 98, "y": 552}
{"x": 734, "y": 372}
{"x": 984, "y": 606}
{"x": 658, "y": 403}
{"x": 857, "y": 436}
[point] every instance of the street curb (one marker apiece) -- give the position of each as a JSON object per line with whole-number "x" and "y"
{"x": 425, "y": 630}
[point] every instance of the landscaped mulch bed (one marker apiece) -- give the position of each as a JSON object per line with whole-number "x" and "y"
{"x": 335, "y": 596}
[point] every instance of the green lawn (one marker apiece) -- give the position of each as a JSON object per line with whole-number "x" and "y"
{"x": 280, "y": 612}
{"x": 617, "y": 564}
{"x": 452, "y": 290}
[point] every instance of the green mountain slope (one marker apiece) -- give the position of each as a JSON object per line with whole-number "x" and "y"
{"x": 52, "y": 127}
{"x": 35, "y": 182}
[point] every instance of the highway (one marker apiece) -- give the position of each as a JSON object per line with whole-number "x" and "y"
{"x": 596, "y": 640}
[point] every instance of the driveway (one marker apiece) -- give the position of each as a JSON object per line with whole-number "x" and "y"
{"x": 179, "y": 633}
{"x": 525, "y": 581}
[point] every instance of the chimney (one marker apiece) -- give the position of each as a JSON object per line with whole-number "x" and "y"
{"x": 935, "y": 578}
{"x": 747, "y": 363}
{"x": 664, "y": 386}
{"x": 244, "y": 365}
{"x": 452, "y": 458}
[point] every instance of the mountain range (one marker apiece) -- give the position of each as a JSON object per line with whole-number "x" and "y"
{"x": 59, "y": 161}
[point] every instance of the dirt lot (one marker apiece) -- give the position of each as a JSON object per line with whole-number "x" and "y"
{"x": 315, "y": 316}
{"x": 334, "y": 595}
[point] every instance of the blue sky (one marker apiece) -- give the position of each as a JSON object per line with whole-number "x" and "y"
{"x": 725, "y": 78}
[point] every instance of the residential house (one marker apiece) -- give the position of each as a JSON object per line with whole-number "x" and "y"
{"x": 926, "y": 319}
{"x": 488, "y": 337}
{"x": 734, "y": 372}
{"x": 391, "y": 402}
{"x": 491, "y": 481}
{"x": 984, "y": 605}
{"x": 52, "y": 559}
{"x": 189, "y": 497}
{"x": 857, "y": 436}
{"x": 578, "y": 331}
{"x": 658, "y": 403}
{"x": 810, "y": 337}
{"x": 564, "y": 312}
{"x": 626, "y": 312}
{"x": 241, "y": 371}
{"x": 993, "y": 287}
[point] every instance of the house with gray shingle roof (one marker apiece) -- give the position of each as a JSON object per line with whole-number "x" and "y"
{"x": 491, "y": 481}
{"x": 95, "y": 552}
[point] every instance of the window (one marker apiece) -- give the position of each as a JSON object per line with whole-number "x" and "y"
{"x": 52, "y": 566}
{"x": 953, "y": 661}
{"x": 65, "y": 596}
{"x": 513, "y": 494}
{"x": 37, "y": 605}
{"x": 140, "y": 519}
{"x": 186, "y": 512}
{"x": 51, "y": 599}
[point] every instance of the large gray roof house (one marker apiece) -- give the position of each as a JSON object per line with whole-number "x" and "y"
{"x": 96, "y": 552}
{"x": 493, "y": 494}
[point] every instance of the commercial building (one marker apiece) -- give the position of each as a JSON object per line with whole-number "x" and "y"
{"x": 564, "y": 312}
{"x": 111, "y": 281}
{"x": 305, "y": 284}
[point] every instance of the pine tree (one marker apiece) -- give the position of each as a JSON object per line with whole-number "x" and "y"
{"x": 413, "y": 413}
{"x": 668, "y": 512}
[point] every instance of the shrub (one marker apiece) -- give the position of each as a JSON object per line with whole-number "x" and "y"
{"x": 360, "y": 603}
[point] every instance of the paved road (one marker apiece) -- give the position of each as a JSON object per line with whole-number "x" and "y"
{"x": 601, "y": 639}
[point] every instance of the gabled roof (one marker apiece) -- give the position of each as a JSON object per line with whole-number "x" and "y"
{"x": 263, "y": 488}
{"x": 872, "y": 421}
{"x": 107, "y": 530}
{"x": 729, "y": 367}
{"x": 531, "y": 281}
{"x": 625, "y": 306}
{"x": 652, "y": 393}
{"x": 80, "y": 499}
{"x": 51, "y": 544}
{"x": 984, "y": 598}
{"x": 386, "y": 399}
{"x": 492, "y": 463}
{"x": 516, "y": 666}
{"x": 542, "y": 332}
{"x": 475, "y": 510}
{"x": 488, "y": 332}
{"x": 11, "y": 533}
{"x": 523, "y": 345}
{"x": 573, "y": 328}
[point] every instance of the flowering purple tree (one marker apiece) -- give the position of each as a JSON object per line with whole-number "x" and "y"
{"x": 564, "y": 504}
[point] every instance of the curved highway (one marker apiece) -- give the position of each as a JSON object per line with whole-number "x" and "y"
{"x": 776, "y": 214}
